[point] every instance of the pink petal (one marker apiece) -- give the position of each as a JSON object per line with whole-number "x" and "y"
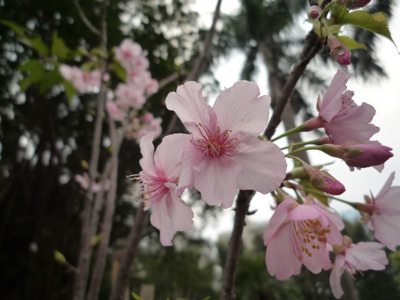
{"x": 215, "y": 178}
{"x": 160, "y": 219}
{"x": 366, "y": 256}
{"x": 277, "y": 219}
{"x": 65, "y": 71}
{"x": 147, "y": 150}
{"x": 389, "y": 203}
{"x": 318, "y": 261}
{"x": 353, "y": 126}
{"x": 332, "y": 214}
{"x": 168, "y": 155}
{"x": 336, "y": 273}
{"x": 241, "y": 109}
{"x": 190, "y": 106}
{"x": 387, "y": 228}
{"x": 263, "y": 165}
{"x": 281, "y": 257}
{"x": 387, "y": 186}
{"x": 331, "y": 102}
{"x": 181, "y": 214}
{"x": 83, "y": 181}
{"x": 303, "y": 212}
{"x": 191, "y": 157}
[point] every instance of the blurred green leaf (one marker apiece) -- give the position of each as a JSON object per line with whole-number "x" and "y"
{"x": 18, "y": 29}
{"x": 350, "y": 43}
{"x": 58, "y": 48}
{"x": 70, "y": 90}
{"x": 119, "y": 70}
{"x": 50, "y": 79}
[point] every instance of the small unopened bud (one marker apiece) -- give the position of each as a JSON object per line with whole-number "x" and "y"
{"x": 366, "y": 155}
{"x": 339, "y": 51}
{"x": 324, "y": 181}
{"x": 84, "y": 164}
{"x": 314, "y": 12}
{"x": 59, "y": 257}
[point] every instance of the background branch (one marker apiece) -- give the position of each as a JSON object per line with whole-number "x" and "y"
{"x": 84, "y": 19}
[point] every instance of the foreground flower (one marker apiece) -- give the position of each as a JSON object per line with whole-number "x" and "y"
{"x": 353, "y": 258}
{"x": 341, "y": 117}
{"x": 383, "y": 214}
{"x": 157, "y": 186}
{"x": 297, "y": 234}
{"x": 224, "y": 153}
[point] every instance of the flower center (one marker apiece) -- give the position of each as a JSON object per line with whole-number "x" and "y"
{"x": 214, "y": 144}
{"x": 310, "y": 236}
{"x": 148, "y": 189}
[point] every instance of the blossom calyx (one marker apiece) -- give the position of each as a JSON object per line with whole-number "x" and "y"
{"x": 314, "y": 12}
{"x": 324, "y": 181}
{"x": 339, "y": 51}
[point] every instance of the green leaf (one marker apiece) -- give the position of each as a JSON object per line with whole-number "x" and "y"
{"x": 334, "y": 29}
{"x": 119, "y": 70}
{"x": 50, "y": 79}
{"x": 136, "y": 296}
{"x": 350, "y": 43}
{"x": 18, "y": 29}
{"x": 70, "y": 90}
{"x": 207, "y": 298}
{"x": 58, "y": 48}
{"x": 376, "y": 23}
{"x": 314, "y": 191}
{"x": 35, "y": 71}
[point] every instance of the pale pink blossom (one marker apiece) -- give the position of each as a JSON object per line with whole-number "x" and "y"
{"x": 84, "y": 182}
{"x": 128, "y": 52}
{"x": 332, "y": 213}
{"x": 225, "y": 153}
{"x": 146, "y": 118}
{"x": 115, "y": 112}
{"x": 341, "y": 117}
{"x": 298, "y": 234}
{"x": 152, "y": 87}
{"x": 75, "y": 75}
{"x": 129, "y": 96}
{"x": 157, "y": 186}
{"x": 353, "y": 258}
{"x": 383, "y": 214}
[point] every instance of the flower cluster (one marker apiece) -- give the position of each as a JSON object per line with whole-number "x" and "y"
{"x": 223, "y": 153}
{"x": 83, "y": 81}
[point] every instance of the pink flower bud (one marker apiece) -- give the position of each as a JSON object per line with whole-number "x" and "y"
{"x": 324, "y": 181}
{"x": 366, "y": 155}
{"x": 339, "y": 51}
{"x": 314, "y": 12}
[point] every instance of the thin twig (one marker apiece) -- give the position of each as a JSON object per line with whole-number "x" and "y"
{"x": 135, "y": 235}
{"x": 83, "y": 260}
{"x": 84, "y": 19}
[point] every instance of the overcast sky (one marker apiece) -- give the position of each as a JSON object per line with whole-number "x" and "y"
{"x": 383, "y": 95}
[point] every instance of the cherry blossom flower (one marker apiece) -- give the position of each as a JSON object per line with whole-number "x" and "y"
{"x": 84, "y": 182}
{"x": 332, "y": 213}
{"x": 383, "y": 214}
{"x": 75, "y": 75}
{"x": 127, "y": 53}
{"x": 297, "y": 234}
{"x": 341, "y": 117}
{"x": 129, "y": 96}
{"x": 157, "y": 186}
{"x": 353, "y": 258}
{"x": 224, "y": 153}
{"x": 115, "y": 112}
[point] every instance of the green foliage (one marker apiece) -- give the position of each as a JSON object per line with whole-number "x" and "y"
{"x": 119, "y": 70}
{"x": 376, "y": 23}
{"x": 350, "y": 43}
{"x": 59, "y": 48}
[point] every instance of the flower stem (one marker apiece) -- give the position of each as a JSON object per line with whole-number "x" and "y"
{"x": 325, "y": 195}
{"x": 313, "y": 142}
{"x": 289, "y": 132}
{"x": 303, "y": 149}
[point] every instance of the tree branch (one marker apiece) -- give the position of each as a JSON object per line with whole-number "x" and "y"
{"x": 311, "y": 47}
{"x": 84, "y": 19}
{"x": 83, "y": 260}
{"x": 135, "y": 235}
